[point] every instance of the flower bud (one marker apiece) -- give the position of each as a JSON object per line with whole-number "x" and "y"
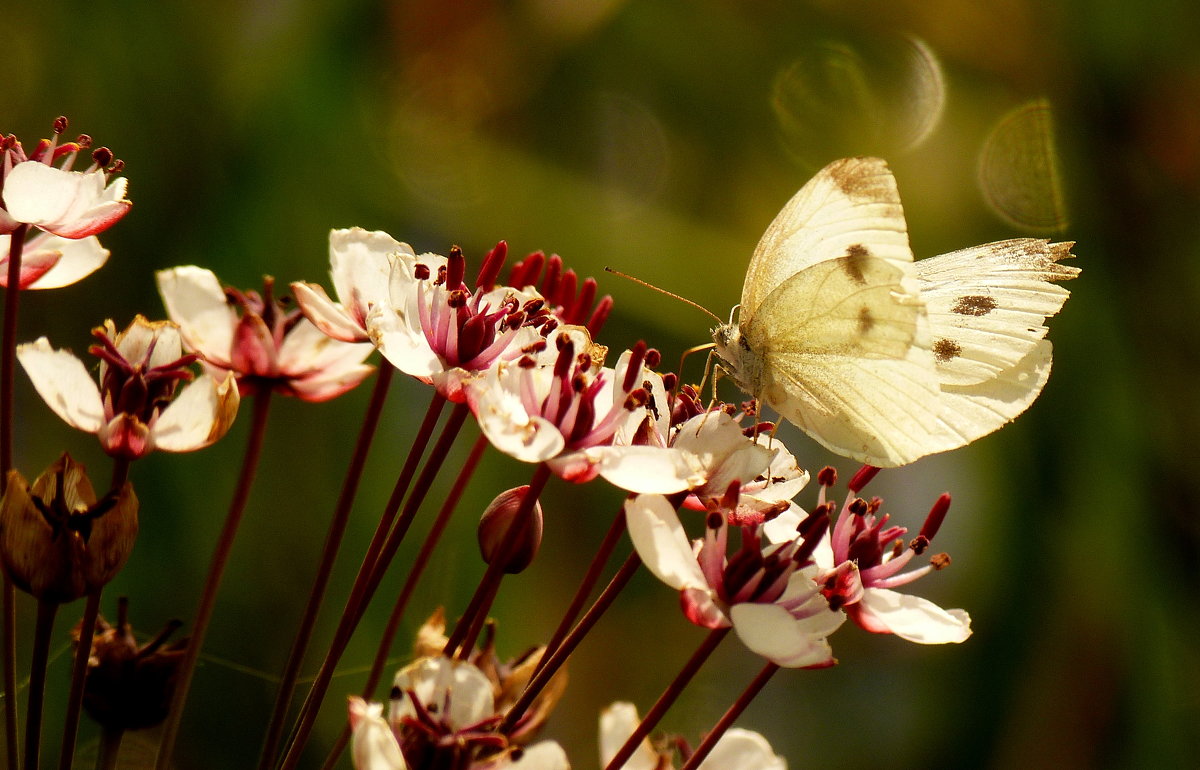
{"x": 501, "y": 514}
{"x": 130, "y": 687}
{"x": 57, "y": 541}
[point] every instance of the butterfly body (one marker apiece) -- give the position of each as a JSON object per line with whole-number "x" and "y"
{"x": 877, "y": 357}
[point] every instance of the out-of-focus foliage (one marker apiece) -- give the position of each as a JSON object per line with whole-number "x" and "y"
{"x": 660, "y": 137}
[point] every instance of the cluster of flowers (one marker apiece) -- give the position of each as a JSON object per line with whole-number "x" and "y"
{"x": 520, "y": 356}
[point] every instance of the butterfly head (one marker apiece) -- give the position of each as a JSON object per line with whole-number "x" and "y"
{"x": 738, "y": 360}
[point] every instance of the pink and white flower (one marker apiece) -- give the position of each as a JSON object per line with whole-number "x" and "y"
{"x": 737, "y": 749}
{"x": 765, "y": 591}
{"x": 441, "y": 331}
{"x": 69, "y": 204}
{"x": 137, "y": 406}
{"x": 360, "y": 262}
{"x": 568, "y": 414}
{"x": 265, "y": 346}
{"x": 863, "y": 561}
{"x": 51, "y": 262}
{"x": 443, "y": 713}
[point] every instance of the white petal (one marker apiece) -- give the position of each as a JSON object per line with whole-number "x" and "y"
{"x": 195, "y": 300}
{"x": 64, "y": 384}
{"x": 740, "y": 749}
{"x": 645, "y": 469}
{"x": 437, "y": 681}
{"x": 306, "y": 350}
{"x": 399, "y": 338}
{"x": 721, "y": 448}
{"x": 617, "y": 723}
{"x": 360, "y": 262}
{"x": 545, "y": 755}
{"x": 772, "y": 632}
{"x": 80, "y": 258}
{"x": 198, "y": 416}
{"x": 374, "y": 745}
{"x": 661, "y": 542}
{"x": 503, "y": 419}
{"x": 782, "y": 528}
{"x": 41, "y": 194}
{"x": 916, "y": 619}
{"x": 328, "y": 316}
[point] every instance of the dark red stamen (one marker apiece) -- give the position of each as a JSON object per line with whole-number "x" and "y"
{"x": 937, "y": 514}
{"x": 102, "y": 157}
{"x": 550, "y": 283}
{"x": 60, "y": 124}
{"x": 493, "y": 263}
{"x": 603, "y": 308}
{"x": 456, "y": 268}
{"x": 862, "y": 478}
{"x": 633, "y": 372}
{"x": 827, "y": 476}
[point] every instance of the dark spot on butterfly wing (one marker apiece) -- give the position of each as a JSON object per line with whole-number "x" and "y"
{"x": 974, "y": 304}
{"x": 855, "y": 262}
{"x": 944, "y": 350}
{"x": 866, "y": 321}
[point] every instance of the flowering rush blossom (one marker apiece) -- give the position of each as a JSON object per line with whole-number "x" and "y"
{"x": 137, "y": 406}
{"x": 737, "y": 749}
{"x": 568, "y": 414}
{"x": 360, "y": 262}
{"x": 265, "y": 346}
{"x": 70, "y": 204}
{"x": 442, "y": 713}
{"x": 765, "y": 591}
{"x": 438, "y": 329}
{"x": 863, "y": 559}
{"x": 51, "y": 262}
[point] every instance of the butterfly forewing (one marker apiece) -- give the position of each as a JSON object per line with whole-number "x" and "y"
{"x": 988, "y": 305}
{"x": 850, "y": 209}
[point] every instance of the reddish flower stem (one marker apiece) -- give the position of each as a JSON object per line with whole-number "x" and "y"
{"x": 668, "y": 697}
{"x": 8, "y": 361}
{"x": 420, "y": 562}
{"x": 714, "y": 735}
{"x": 83, "y": 650}
{"x": 37, "y": 681}
{"x": 333, "y": 542}
{"x": 462, "y": 639}
{"x": 553, "y": 661}
{"x": 370, "y": 575}
{"x": 208, "y": 598}
{"x": 607, "y": 545}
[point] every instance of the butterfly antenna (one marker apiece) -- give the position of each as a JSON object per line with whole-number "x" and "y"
{"x": 684, "y": 300}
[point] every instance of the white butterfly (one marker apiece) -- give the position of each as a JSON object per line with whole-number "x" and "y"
{"x": 876, "y": 356}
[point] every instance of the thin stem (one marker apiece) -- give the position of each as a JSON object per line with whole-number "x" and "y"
{"x": 668, "y": 697}
{"x": 37, "y": 680}
{"x": 553, "y": 661}
{"x": 735, "y": 711}
{"x": 110, "y": 748}
{"x": 368, "y": 580}
{"x": 208, "y": 598}
{"x": 8, "y": 360}
{"x": 333, "y": 541}
{"x": 83, "y": 650}
{"x": 467, "y": 629}
{"x": 607, "y": 545}
{"x": 420, "y": 562}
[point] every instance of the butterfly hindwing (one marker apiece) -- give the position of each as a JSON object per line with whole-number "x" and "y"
{"x": 845, "y": 356}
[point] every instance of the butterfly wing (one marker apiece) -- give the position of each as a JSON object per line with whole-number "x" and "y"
{"x": 987, "y": 310}
{"x": 844, "y": 354}
{"x": 851, "y": 208}
{"x": 988, "y": 305}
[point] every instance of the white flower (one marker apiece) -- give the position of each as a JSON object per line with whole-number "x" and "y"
{"x": 70, "y": 204}
{"x": 737, "y": 749}
{"x": 136, "y": 407}
{"x": 360, "y": 263}
{"x": 766, "y": 592}
{"x": 265, "y": 347}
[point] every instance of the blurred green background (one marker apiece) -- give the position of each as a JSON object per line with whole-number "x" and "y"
{"x": 661, "y": 137}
